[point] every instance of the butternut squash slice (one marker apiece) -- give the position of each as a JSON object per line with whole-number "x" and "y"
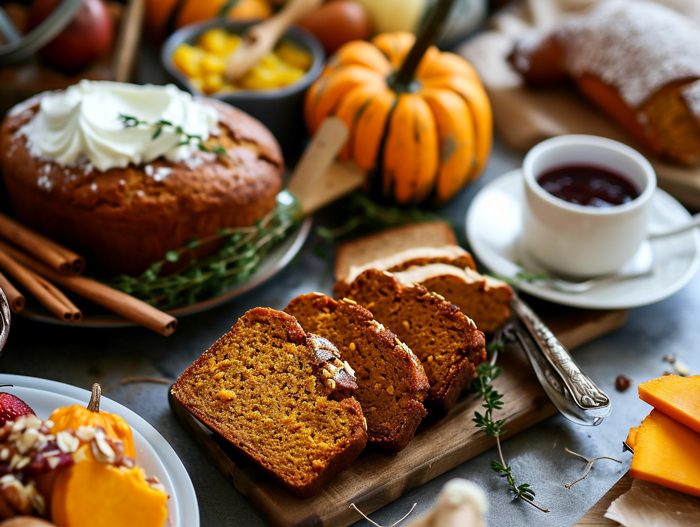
{"x": 666, "y": 453}
{"x": 632, "y": 437}
{"x": 119, "y": 497}
{"x": 677, "y": 397}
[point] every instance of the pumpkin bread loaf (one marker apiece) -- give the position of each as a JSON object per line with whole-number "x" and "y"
{"x": 449, "y": 254}
{"x": 485, "y": 299}
{"x": 638, "y": 61}
{"x": 281, "y": 397}
{"x": 391, "y": 381}
{"x": 365, "y": 249}
{"x": 443, "y": 338}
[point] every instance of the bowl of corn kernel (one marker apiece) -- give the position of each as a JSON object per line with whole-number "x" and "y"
{"x": 272, "y": 91}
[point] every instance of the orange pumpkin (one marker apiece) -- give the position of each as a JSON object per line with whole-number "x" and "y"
{"x": 76, "y": 416}
{"x": 420, "y": 122}
{"x": 165, "y": 16}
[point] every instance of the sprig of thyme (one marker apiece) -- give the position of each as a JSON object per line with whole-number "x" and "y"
{"x": 493, "y": 401}
{"x": 129, "y": 121}
{"x": 241, "y": 251}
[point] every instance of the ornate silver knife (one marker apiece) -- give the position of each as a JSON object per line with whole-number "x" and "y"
{"x": 573, "y": 393}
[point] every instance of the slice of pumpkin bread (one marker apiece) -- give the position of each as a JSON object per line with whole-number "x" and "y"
{"x": 443, "y": 338}
{"x": 392, "y": 383}
{"x": 484, "y": 299}
{"x": 359, "y": 251}
{"x": 281, "y": 397}
{"x": 448, "y": 254}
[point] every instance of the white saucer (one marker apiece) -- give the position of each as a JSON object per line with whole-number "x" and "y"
{"x": 494, "y": 225}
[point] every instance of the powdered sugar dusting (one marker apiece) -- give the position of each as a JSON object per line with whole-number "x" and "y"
{"x": 162, "y": 173}
{"x": 637, "y": 47}
{"x": 44, "y": 182}
{"x": 691, "y": 96}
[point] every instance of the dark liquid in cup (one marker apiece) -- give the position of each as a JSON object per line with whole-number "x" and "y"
{"x": 590, "y": 186}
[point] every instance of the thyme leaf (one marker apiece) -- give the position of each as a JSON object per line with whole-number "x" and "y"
{"x": 129, "y": 121}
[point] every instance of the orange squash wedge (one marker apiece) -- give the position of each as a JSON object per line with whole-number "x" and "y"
{"x": 119, "y": 497}
{"x": 677, "y": 397}
{"x": 632, "y": 437}
{"x": 666, "y": 453}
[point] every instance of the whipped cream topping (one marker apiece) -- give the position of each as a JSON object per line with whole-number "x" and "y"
{"x": 83, "y": 125}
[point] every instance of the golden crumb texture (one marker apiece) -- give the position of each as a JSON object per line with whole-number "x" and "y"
{"x": 391, "y": 380}
{"x": 280, "y": 396}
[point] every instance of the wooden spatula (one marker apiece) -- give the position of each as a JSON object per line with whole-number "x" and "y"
{"x": 318, "y": 179}
{"x": 260, "y": 39}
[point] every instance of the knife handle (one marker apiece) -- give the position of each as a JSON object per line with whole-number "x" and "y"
{"x": 574, "y": 393}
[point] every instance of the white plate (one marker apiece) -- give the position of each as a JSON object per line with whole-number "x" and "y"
{"x": 153, "y": 452}
{"x": 494, "y": 223}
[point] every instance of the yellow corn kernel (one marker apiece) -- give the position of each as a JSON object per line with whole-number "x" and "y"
{"x": 294, "y": 56}
{"x": 232, "y": 42}
{"x": 212, "y": 83}
{"x": 287, "y": 77}
{"x": 212, "y": 64}
{"x": 258, "y": 79}
{"x": 214, "y": 41}
{"x": 270, "y": 61}
{"x": 187, "y": 59}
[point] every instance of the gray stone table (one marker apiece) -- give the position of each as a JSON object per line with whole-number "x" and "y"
{"x": 82, "y": 356}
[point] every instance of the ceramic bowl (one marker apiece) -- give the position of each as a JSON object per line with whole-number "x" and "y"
{"x": 280, "y": 109}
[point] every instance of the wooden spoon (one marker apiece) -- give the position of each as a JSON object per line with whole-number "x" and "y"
{"x": 259, "y": 40}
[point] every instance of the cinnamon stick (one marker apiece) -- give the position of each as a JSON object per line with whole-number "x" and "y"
{"x": 14, "y": 297}
{"x": 42, "y": 248}
{"x": 125, "y": 305}
{"x": 44, "y": 291}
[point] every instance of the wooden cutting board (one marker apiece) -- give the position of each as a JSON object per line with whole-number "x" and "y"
{"x": 375, "y": 479}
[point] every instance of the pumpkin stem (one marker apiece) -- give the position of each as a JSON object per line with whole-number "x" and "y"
{"x": 426, "y": 38}
{"x": 94, "y": 404}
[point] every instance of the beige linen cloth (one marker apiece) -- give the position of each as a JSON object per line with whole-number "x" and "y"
{"x": 525, "y": 117}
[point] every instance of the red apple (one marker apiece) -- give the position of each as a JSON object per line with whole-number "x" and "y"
{"x": 89, "y": 35}
{"x": 12, "y": 407}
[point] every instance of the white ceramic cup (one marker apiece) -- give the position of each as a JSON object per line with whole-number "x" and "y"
{"x": 576, "y": 240}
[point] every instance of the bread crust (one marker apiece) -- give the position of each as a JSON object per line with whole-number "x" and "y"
{"x": 125, "y": 219}
{"x": 324, "y": 357}
{"x": 356, "y": 316}
{"x": 379, "y": 244}
{"x": 484, "y": 299}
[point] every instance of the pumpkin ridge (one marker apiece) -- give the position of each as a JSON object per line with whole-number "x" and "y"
{"x": 355, "y": 121}
{"x": 374, "y": 177}
{"x": 473, "y": 169}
